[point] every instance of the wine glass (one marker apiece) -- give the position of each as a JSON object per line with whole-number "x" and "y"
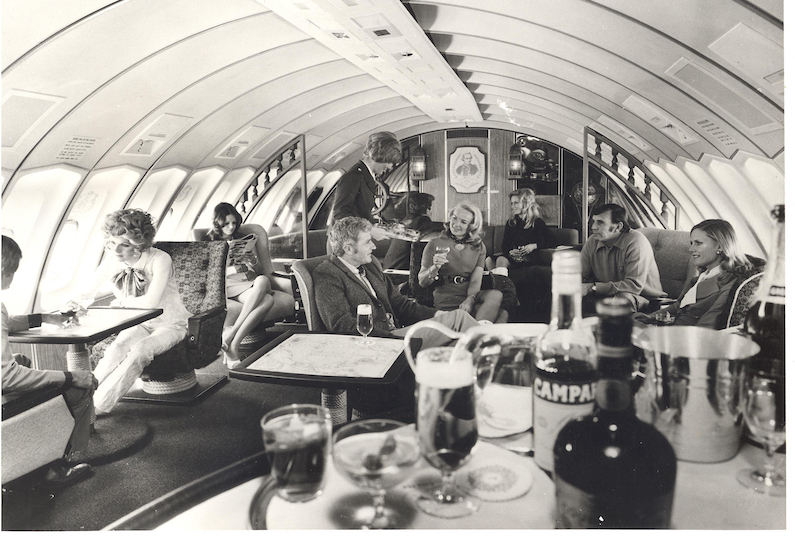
{"x": 443, "y": 250}
{"x": 764, "y": 412}
{"x": 376, "y": 454}
{"x": 447, "y": 427}
{"x": 364, "y": 322}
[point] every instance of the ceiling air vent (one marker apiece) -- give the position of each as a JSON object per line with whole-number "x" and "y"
{"x": 22, "y": 111}
{"x": 722, "y": 97}
{"x": 467, "y": 133}
{"x": 659, "y": 120}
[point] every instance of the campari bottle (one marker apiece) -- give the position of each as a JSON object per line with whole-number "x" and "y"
{"x": 565, "y": 369}
{"x": 611, "y": 469}
{"x": 765, "y": 320}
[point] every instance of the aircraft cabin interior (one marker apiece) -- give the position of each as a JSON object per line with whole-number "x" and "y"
{"x": 671, "y": 109}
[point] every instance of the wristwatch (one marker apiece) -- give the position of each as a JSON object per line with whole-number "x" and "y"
{"x": 593, "y": 287}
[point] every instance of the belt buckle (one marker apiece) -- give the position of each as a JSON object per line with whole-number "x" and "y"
{"x": 458, "y": 279}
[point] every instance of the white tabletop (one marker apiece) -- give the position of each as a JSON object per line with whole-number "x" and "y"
{"x": 707, "y": 497}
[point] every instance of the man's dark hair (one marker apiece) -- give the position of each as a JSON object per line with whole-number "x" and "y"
{"x": 11, "y": 255}
{"x": 617, "y": 214}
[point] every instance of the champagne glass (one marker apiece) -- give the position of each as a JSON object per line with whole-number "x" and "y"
{"x": 447, "y": 427}
{"x": 364, "y": 322}
{"x": 764, "y": 412}
{"x": 443, "y": 250}
{"x": 376, "y": 454}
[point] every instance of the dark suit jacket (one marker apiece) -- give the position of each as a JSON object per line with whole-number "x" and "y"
{"x": 355, "y": 194}
{"x": 338, "y": 291}
{"x": 713, "y": 299}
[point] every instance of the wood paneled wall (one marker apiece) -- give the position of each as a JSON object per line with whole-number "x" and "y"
{"x": 492, "y": 199}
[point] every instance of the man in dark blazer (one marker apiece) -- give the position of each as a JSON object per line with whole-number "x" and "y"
{"x": 352, "y": 277}
{"x": 356, "y": 189}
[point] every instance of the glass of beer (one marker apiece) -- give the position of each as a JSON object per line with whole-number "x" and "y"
{"x": 364, "y": 322}
{"x": 297, "y": 442}
{"x": 447, "y": 427}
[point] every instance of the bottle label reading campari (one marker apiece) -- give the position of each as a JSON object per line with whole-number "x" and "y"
{"x": 555, "y": 403}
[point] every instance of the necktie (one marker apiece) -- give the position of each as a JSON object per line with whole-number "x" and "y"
{"x": 131, "y": 282}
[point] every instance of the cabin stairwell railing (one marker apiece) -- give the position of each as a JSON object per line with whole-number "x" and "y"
{"x": 289, "y": 156}
{"x": 640, "y": 184}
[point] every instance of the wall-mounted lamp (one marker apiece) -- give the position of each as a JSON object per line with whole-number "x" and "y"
{"x": 417, "y": 164}
{"x": 515, "y": 162}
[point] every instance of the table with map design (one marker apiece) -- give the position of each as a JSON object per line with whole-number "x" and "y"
{"x": 328, "y": 360}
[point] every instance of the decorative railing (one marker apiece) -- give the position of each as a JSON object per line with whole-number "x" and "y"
{"x": 639, "y": 182}
{"x": 289, "y": 155}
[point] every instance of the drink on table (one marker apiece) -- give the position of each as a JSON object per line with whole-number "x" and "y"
{"x": 565, "y": 371}
{"x": 446, "y": 425}
{"x": 611, "y": 469}
{"x": 376, "y": 454}
{"x": 297, "y": 441}
{"x": 765, "y": 319}
{"x": 364, "y": 321}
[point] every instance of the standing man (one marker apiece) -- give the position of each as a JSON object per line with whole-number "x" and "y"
{"x": 19, "y": 379}
{"x": 356, "y": 189}
{"x": 617, "y": 261}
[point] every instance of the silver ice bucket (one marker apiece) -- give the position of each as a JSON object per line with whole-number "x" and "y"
{"x": 692, "y": 389}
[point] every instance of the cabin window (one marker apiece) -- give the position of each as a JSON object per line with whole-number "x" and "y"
{"x": 31, "y": 216}
{"x": 156, "y": 191}
{"x": 229, "y": 188}
{"x": 77, "y": 247}
{"x": 187, "y": 205}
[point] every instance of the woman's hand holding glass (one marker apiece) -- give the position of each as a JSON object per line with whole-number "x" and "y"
{"x": 440, "y": 257}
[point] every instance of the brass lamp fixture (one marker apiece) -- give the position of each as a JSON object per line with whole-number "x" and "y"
{"x": 417, "y": 166}
{"x": 515, "y": 162}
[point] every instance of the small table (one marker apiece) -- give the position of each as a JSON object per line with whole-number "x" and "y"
{"x": 707, "y": 496}
{"x": 390, "y": 347}
{"x": 98, "y": 323}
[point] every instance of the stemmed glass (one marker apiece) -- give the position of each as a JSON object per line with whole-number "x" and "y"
{"x": 364, "y": 322}
{"x": 764, "y": 411}
{"x": 376, "y": 454}
{"x": 447, "y": 427}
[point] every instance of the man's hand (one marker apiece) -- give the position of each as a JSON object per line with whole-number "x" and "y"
{"x": 54, "y": 318}
{"x": 83, "y": 379}
{"x": 586, "y": 288}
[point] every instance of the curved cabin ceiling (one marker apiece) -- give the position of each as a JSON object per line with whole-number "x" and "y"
{"x": 154, "y": 84}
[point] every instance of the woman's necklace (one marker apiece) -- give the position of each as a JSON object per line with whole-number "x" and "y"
{"x": 460, "y": 243}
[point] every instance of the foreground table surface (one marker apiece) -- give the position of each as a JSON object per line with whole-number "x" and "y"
{"x": 707, "y": 497}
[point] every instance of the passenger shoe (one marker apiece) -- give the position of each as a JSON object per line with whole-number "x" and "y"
{"x": 62, "y": 474}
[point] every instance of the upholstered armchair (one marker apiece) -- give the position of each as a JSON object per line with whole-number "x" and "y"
{"x": 36, "y": 429}
{"x": 284, "y": 302}
{"x": 200, "y": 271}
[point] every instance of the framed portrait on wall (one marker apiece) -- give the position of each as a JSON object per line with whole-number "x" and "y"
{"x": 467, "y": 168}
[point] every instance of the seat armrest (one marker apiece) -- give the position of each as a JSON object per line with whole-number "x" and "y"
{"x": 283, "y": 275}
{"x": 30, "y": 400}
{"x": 195, "y": 322}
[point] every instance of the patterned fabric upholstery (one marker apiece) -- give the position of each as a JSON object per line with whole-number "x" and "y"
{"x": 744, "y": 297}
{"x": 200, "y": 271}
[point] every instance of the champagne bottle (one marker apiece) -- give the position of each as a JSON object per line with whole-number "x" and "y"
{"x": 565, "y": 369}
{"x": 765, "y": 320}
{"x": 611, "y": 469}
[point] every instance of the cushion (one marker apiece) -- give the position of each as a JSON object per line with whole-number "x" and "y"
{"x": 671, "y": 252}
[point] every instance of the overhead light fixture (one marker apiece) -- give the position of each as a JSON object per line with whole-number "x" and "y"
{"x": 515, "y": 162}
{"x": 417, "y": 165}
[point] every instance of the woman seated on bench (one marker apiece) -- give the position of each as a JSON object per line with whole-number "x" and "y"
{"x": 454, "y": 263}
{"x": 525, "y": 233}
{"x": 245, "y": 282}
{"x": 706, "y": 298}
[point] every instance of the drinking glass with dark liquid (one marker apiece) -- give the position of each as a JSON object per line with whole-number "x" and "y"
{"x": 364, "y": 322}
{"x": 297, "y": 443}
{"x": 447, "y": 427}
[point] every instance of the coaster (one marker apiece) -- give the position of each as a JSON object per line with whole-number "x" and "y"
{"x": 494, "y": 478}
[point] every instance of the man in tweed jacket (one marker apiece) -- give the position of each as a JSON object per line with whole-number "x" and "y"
{"x": 341, "y": 288}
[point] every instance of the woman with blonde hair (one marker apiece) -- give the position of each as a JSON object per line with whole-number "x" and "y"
{"x": 142, "y": 278}
{"x": 706, "y": 298}
{"x": 525, "y": 233}
{"x": 454, "y": 263}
